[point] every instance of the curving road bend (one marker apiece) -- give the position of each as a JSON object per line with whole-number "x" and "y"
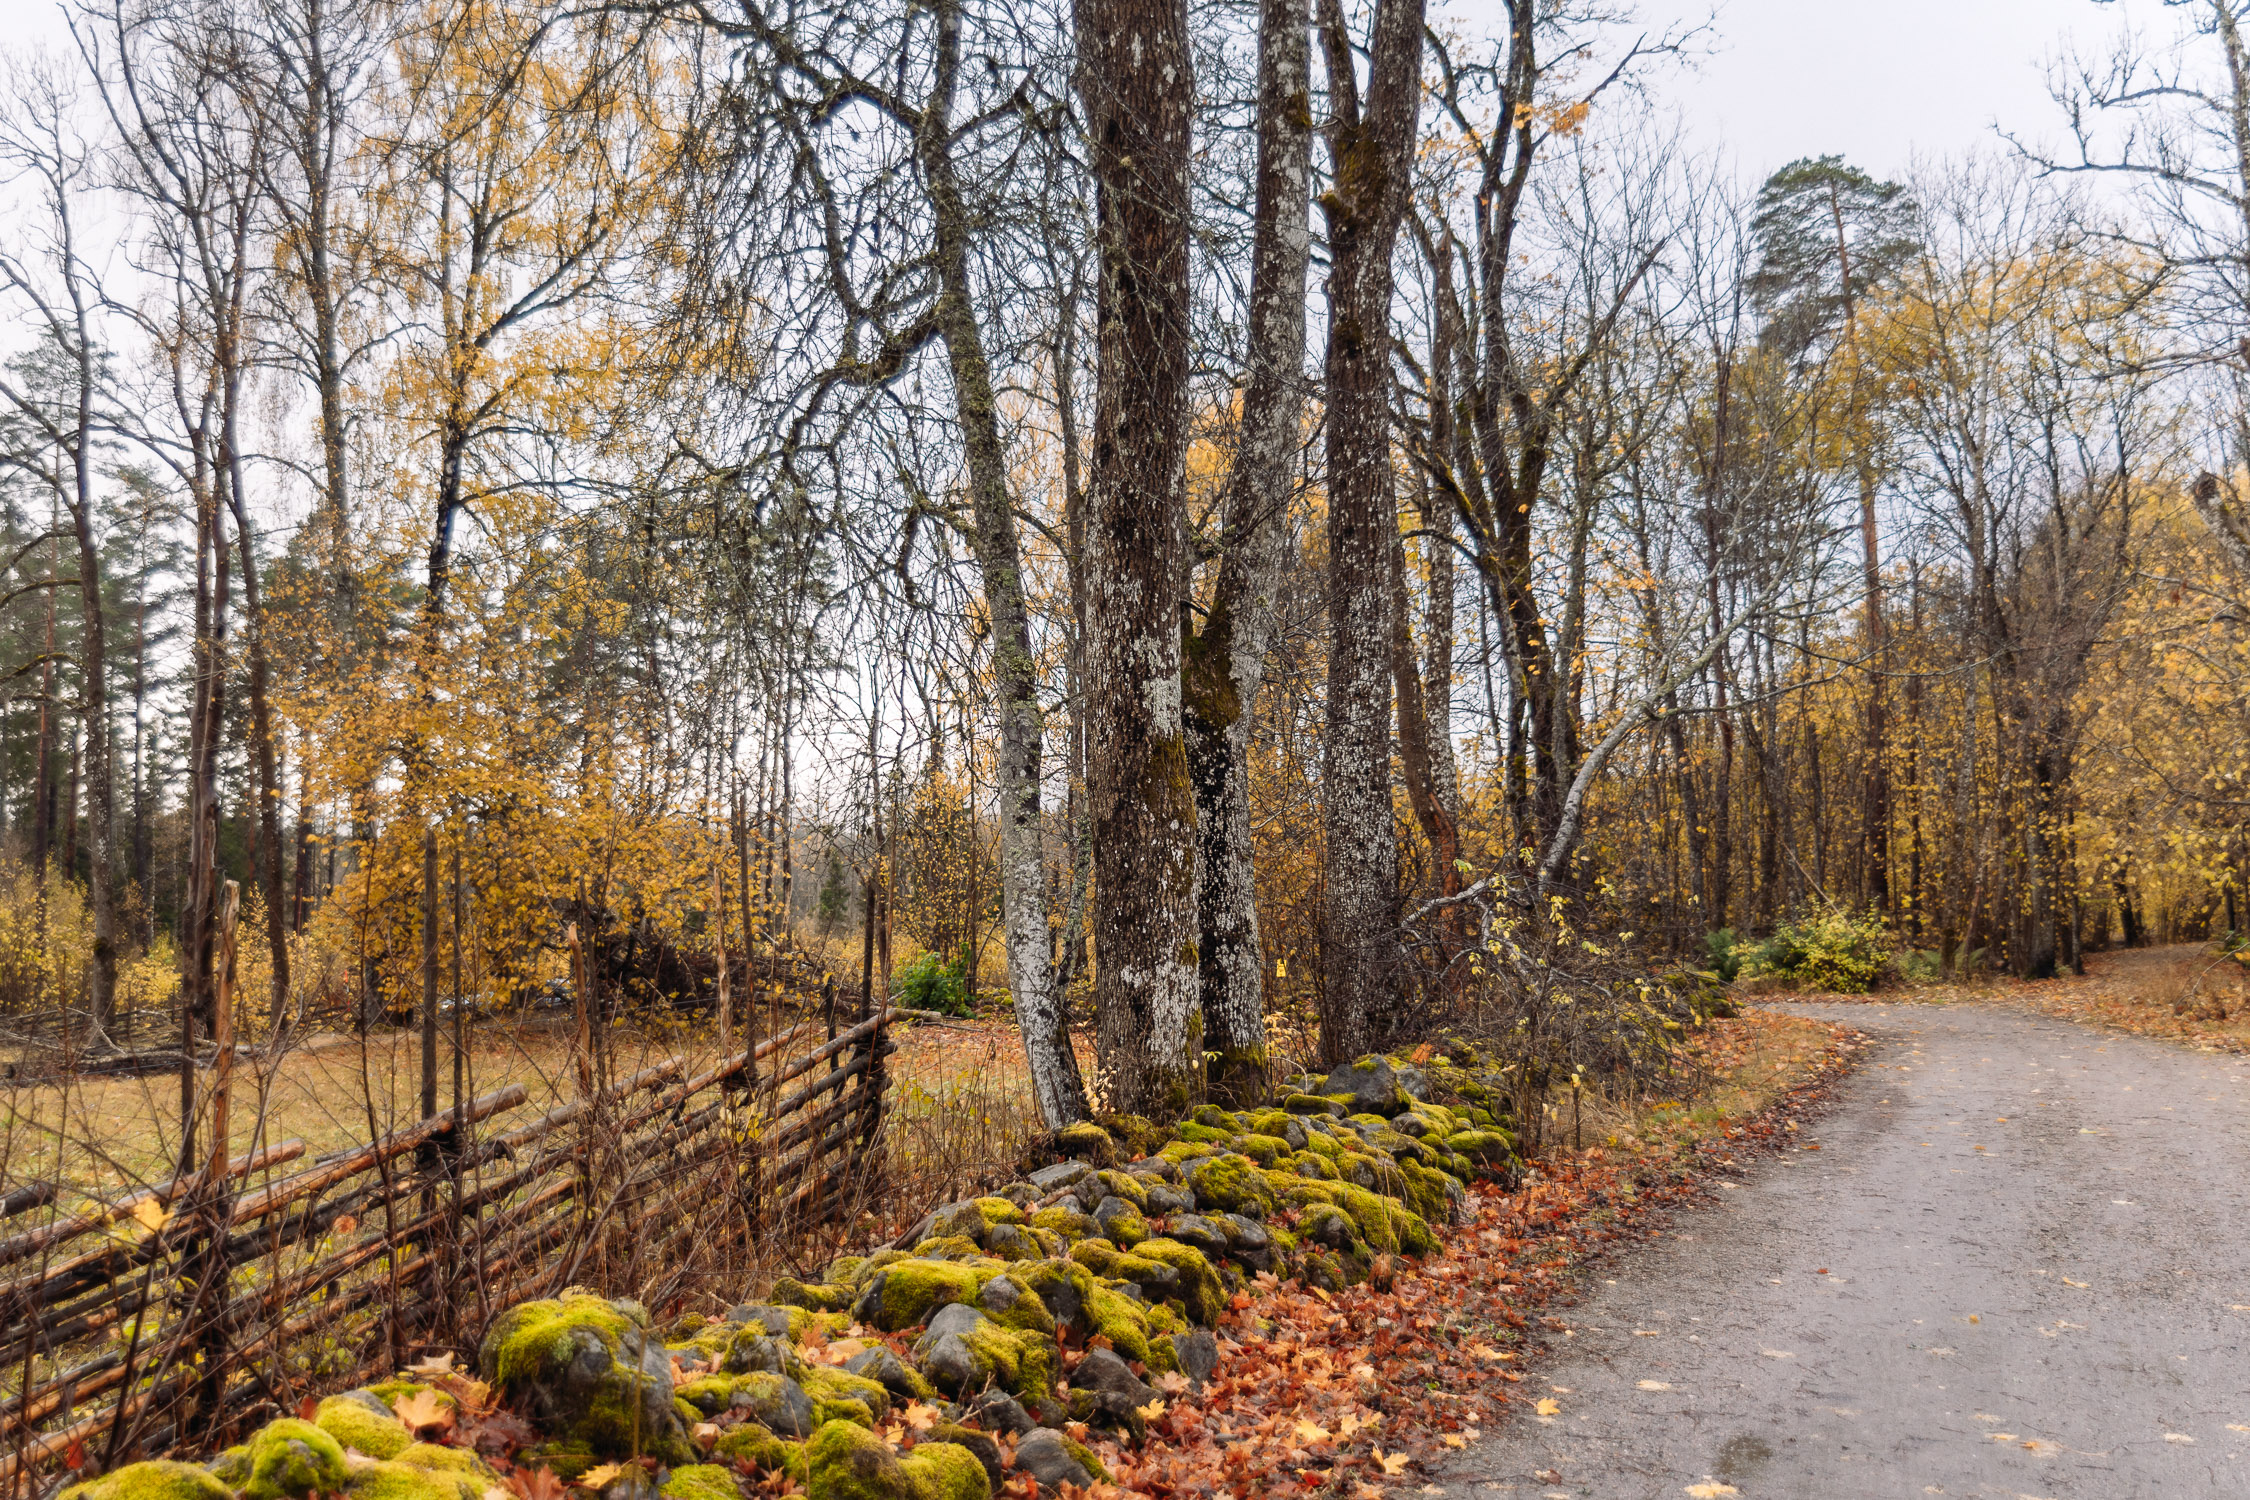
{"x": 2018, "y": 1266}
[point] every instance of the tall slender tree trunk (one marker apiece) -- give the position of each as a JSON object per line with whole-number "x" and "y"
{"x": 1136, "y": 82}
{"x": 1370, "y": 150}
{"x": 1225, "y": 661}
{"x": 1056, "y": 1084}
{"x": 265, "y": 764}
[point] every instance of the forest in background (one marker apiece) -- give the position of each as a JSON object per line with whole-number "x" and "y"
{"x": 1203, "y": 518}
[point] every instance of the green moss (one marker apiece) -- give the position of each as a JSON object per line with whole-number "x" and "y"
{"x": 824, "y": 1383}
{"x": 1313, "y": 1164}
{"x": 1265, "y": 1150}
{"x": 567, "y": 1460}
{"x": 1232, "y": 1183}
{"x": 1308, "y": 1104}
{"x": 354, "y": 1423}
{"x": 700, "y": 1482}
{"x": 1127, "y": 1228}
{"x": 527, "y": 1338}
{"x": 1370, "y": 1214}
{"x": 293, "y": 1458}
{"x": 1211, "y": 1135}
{"x": 841, "y": 1270}
{"x": 391, "y": 1392}
{"x": 847, "y": 1462}
{"x": 157, "y": 1479}
{"x": 1198, "y": 1286}
{"x": 397, "y": 1481}
{"x": 1022, "y": 1361}
{"x": 998, "y": 1211}
{"x": 751, "y": 1443}
{"x": 232, "y": 1467}
{"x": 1491, "y": 1147}
{"x": 949, "y": 1247}
{"x": 451, "y": 1460}
{"x": 1086, "y": 1459}
{"x": 1088, "y": 1141}
{"x": 1125, "y": 1185}
{"x": 1425, "y": 1190}
{"x": 1212, "y": 1117}
{"x": 1180, "y": 1153}
{"x": 790, "y": 1292}
{"x": 1067, "y": 1222}
{"x": 913, "y": 1289}
{"x": 828, "y": 1410}
{"x": 1121, "y": 1320}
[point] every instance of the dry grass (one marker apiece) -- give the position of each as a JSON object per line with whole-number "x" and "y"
{"x": 1729, "y": 1071}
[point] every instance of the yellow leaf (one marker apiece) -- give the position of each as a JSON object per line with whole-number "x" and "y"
{"x": 2078, "y": 1284}
{"x": 420, "y": 1410}
{"x": 1152, "y": 1411}
{"x": 1454, "y": 1440}
{"x": 920, "y": 1416}
{"x": 151, "y": 1214}
{"x": 1312, "y": 1432}
{"x": 1710, "y": 1491}
{"x": 1548, "y": 1407}
{"x": 1656, "y": 1385}
{"x": 1393, "y": 1464}
{"x": 435, "y": 1365}
{"x": 600, "y": 1476}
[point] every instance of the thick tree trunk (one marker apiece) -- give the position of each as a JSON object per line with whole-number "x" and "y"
{"x": 1225, "y": 662}
{"x": 1056, "y": 1084}
{"x": 1371, "y": 155}
{"x": 1136, "y": 81}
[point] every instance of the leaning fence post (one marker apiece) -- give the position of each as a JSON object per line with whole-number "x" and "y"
{"x": 207, "y": 1312}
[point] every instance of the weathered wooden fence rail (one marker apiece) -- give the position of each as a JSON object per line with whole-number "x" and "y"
{"x": 172, "y": 1317}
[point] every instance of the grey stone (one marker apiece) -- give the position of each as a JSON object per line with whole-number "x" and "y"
{"x": 778, "y": 1404}
{"x": 885, "y": 1369}
{"x": 1022, "y": 1194}
{"x": 1199, "y": 1354}
{"x": 754, "y": 1349}
{"x": 945, "y": 1356}
{"x": 1061, "y": 1175}
{"x": 1163, "y": 1198}
{"x": 1009, "y": 1242}
{"x": 1044, "y": 1455}
{"x": 1326, "y": 1225}
{"x": 1110, "y": 1210}
{"x": 998, "y": 1295}
{"x": 1195, "y": 1230}
{"x": 1243, "y": 1233}
{"x": 1294, "y": 1133}
{"x": 997, "y": 1411}
{"x": 1374, "y": 1084}
{"x": 774, "y": 1320}
{"x": 1104, "y": 1372}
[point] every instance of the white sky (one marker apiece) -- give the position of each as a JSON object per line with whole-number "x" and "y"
{"x": 1877, "y": 83}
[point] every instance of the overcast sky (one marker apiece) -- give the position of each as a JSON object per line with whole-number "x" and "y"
{"x": 1876, "y": 83}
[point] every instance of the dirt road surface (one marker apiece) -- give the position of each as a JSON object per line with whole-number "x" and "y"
{"x": 2017, "y": 1265}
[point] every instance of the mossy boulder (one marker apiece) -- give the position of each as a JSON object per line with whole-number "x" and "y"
{"x": 1313, "y": 1164}
{"x": 1198, "y": 1285}
{"x": 1105, "y": 1260}
{"x": 1490, "y": 1148}
{"x": 292, "y": 1458}
{"x": 392, "y": 1480}
{"x": 1265, "y": 1150}
{"x": 586, "y": 1370}
{"x": 963, "y": 1351}
{"x": 753, "y": 1444}
{"x": 1067, "y": 1222}
{"x": 847, "y": 1462}
{"x": 701, "y": 1482}
{"x": 1011, "y": 1303}
{"x": 1055, "y": 1459}
{"x": 157, "y": 1479}
{"x": 1088, "y": 1142}
{"x": 1120, "y": 1222}
{"x": 955, "y": 1247}
{"x": 1062, "y": 1287}
{"x": 360, "y": 1420}
{"x": 1232, "y": 1183}
{"x": 463, "y": 1461}
{"x": 905, "y": 1293}
{"x": 813, "y": 1296}
{"x": 1311, "y": 1105}
{"x": 833, "y": 1388}
{"x": 1192, "y": 1134}
{"x": 774, "y": 1402}
{"x": 895, "y": 1375}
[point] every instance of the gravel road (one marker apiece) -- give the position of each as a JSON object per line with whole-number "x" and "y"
{"x": 2018, "y": 1265}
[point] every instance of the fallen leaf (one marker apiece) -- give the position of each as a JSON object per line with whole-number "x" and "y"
{"x": 1656, "y": 1385}
{"x": 921, "y": 1416}
{"x": 151, "y": 1214}
{"x": 1454, "y": 1440}
{"x": 1709, "y": 1491}
{"x": 600, "y": 1476}
{"x": 1777, "y": 1354}
{"x": 1313, "y": 1432}
{"x": 2177, "y": 1437}
{"x": 2066, "y": 1281}
{"x": 705, "y": 1433}
{"x": 1152, "y": 1411}
{"x": 424, "y": 1410}
{"x": 536, "y": 1484}
{"x": 1548, "y": 1407}
{"x": 1392, "y": 1464}
{"x": 433, "y": 1366}
{"x": 346, "y": 1224}
{"x": 2001, "y": 1437}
